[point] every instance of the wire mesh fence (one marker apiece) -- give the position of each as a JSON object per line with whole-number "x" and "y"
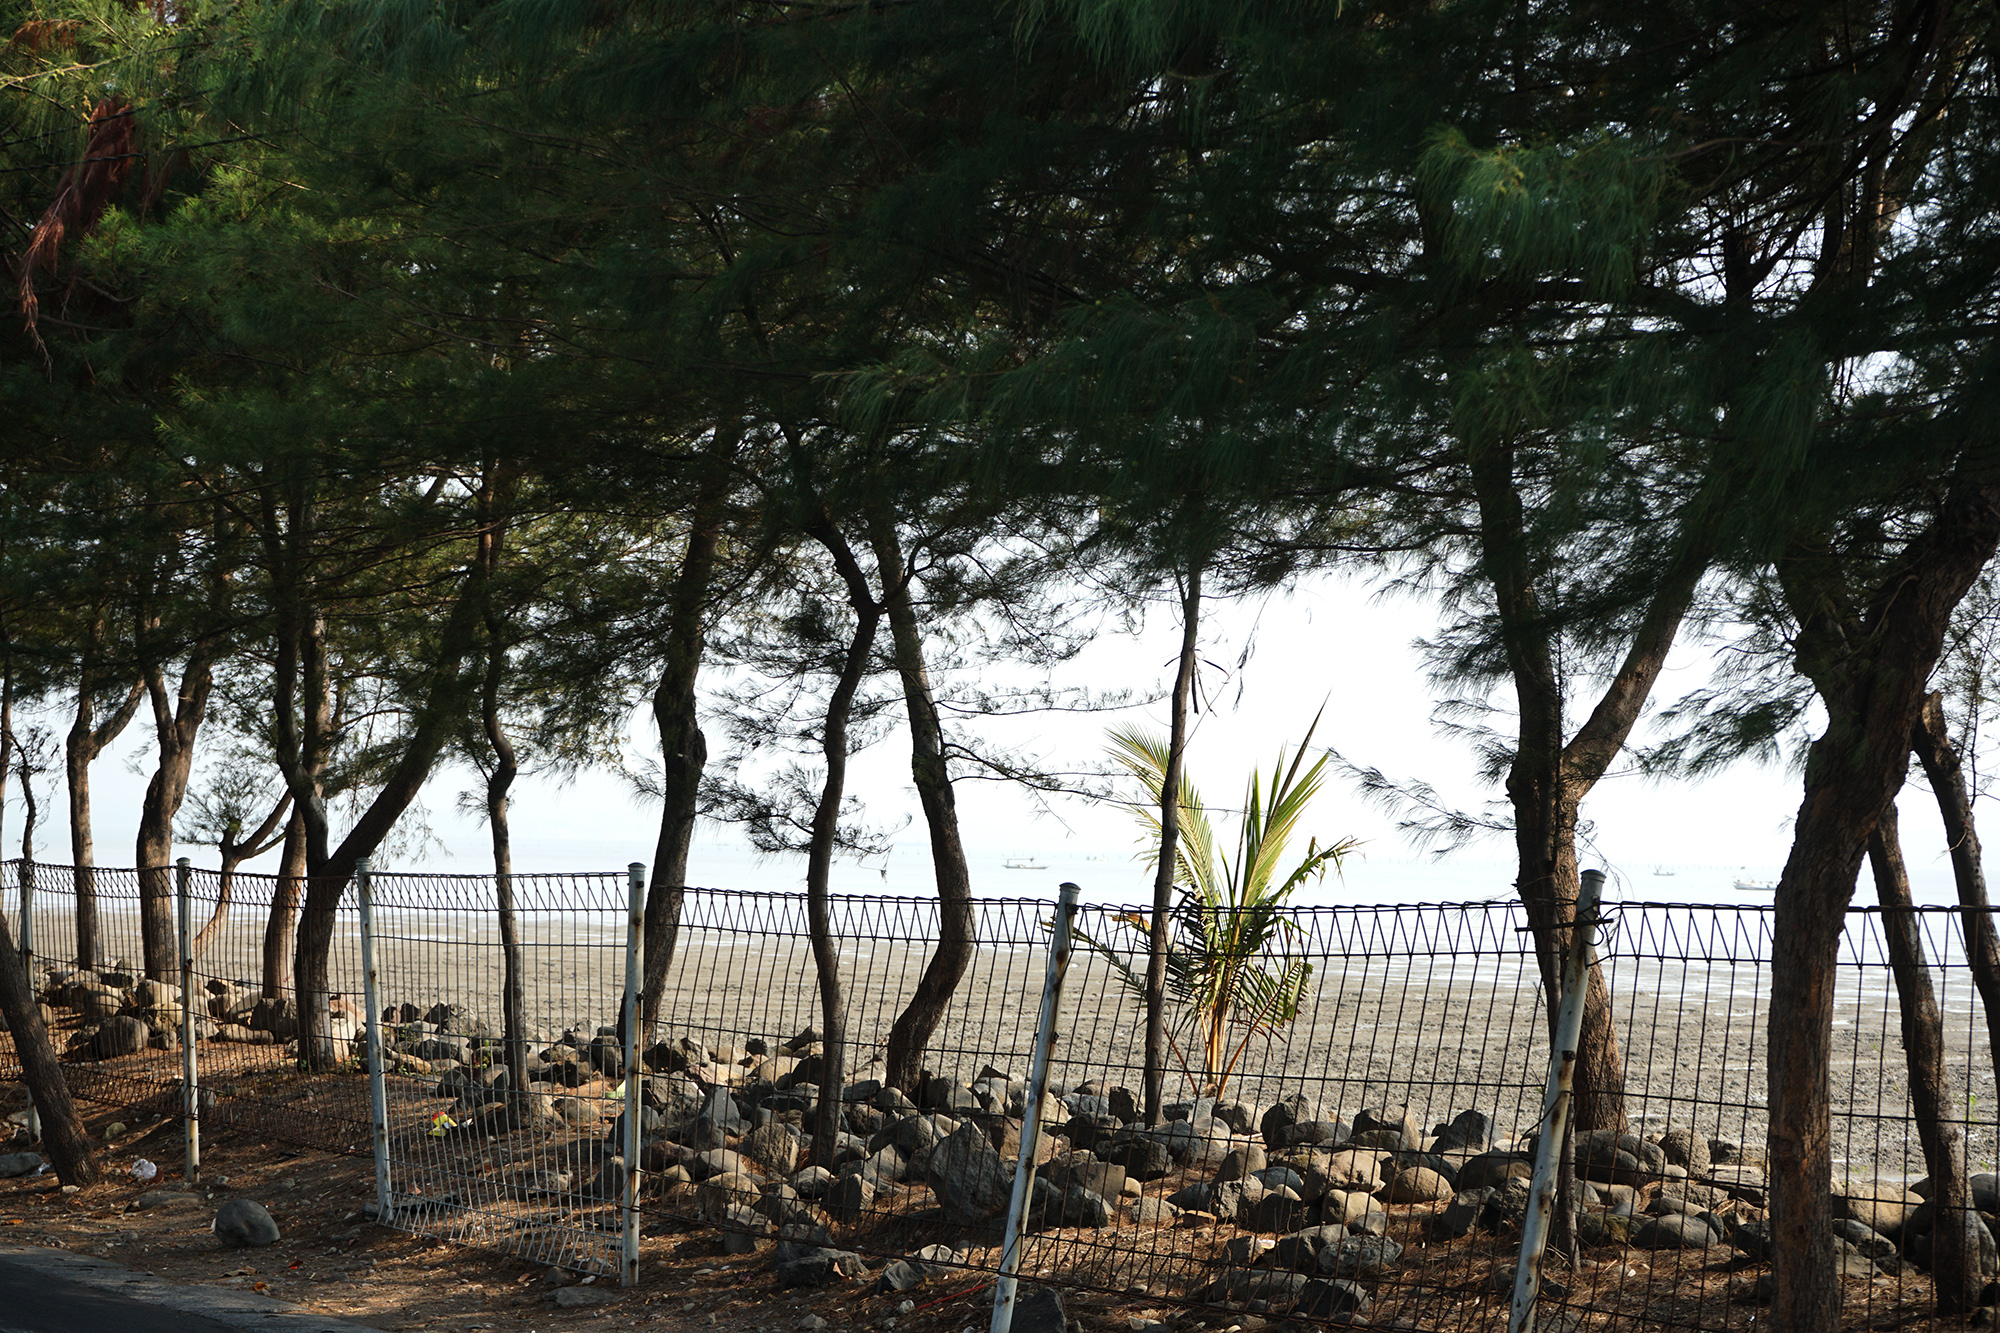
{"x": 1350, "y": 1132}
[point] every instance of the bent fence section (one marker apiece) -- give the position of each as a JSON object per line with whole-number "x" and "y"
{"x": 1336, "y": 1169}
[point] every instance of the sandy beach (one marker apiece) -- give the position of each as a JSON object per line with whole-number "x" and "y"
{"x": 1436, "y": 1007}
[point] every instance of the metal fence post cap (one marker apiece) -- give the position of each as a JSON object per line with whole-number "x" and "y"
{"x": 183, "y": 861}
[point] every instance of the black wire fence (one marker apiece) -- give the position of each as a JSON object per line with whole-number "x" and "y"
{"x": 1349, "y": 1135}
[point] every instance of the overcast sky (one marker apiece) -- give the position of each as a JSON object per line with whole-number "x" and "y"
{"x": 1329, "y": 642}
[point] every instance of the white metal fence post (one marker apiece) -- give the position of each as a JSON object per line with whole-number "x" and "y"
{"x": 1031, "y": 1120}
{"x": 635, "y": 927}
{"x": 1555, "y": 1107}
{"x": 378, "y": 1092}
{"x": 190, "y": 1084}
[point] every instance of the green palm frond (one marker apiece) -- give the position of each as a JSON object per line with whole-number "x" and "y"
{"x": 1226, "y": 978}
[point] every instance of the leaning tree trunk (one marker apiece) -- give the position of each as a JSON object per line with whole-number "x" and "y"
{"x": 825, "y": 834}
{"x": 177, "y": 722}
{"x": 1870, "y": 668}
{"x": 63, "y": 1134}
{"x": 910, "y": 1035}
{"x": 86, "y": 740}
{"x": 1158, "y": 940}
{"x": 506, "y": 765}
{"x": 513, "y": 995}
{"x": 1947, "y": 778}
{"x": 683, "y": 754}
{"x": 1955, "y": 1277}
{"x": 281, "y": 926}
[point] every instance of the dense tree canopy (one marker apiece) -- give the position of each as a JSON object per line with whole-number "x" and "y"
{"x": 490, "y": 370}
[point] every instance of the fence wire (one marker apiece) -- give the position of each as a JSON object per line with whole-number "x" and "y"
{"x": 1354, "y": 1140}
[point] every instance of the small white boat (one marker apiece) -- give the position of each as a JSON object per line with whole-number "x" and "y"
{"x": 1756, "y": 885}
{"x": 1022, "y": 863}
{"x": 1664, "y": 872}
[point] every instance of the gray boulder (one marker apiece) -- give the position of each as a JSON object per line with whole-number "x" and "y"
{"x": 1395, "y": 1118}
{"x": 245, "y": 1223}
{"x": 120, "y": 1034}
{"x": 968, "y": 1178}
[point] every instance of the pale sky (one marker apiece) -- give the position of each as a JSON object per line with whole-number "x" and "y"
{"x": 1329, "y": 641}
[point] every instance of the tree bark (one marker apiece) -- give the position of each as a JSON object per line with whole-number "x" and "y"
{"x": 1946, "y": 773}
{"x": 506, "y": 765}
{"x": 1870, "y": 668}
{"x": 281, "y": 927}
{"x": 63, "y": 1134}
{"x": 1157, "y": 939}
{"x": 825, "y": 831}
{"x": 957, "y": 931}
{"x": 176, "y": 722}
{"x": 303, "y": 739}
{"x": 234, "y": 852}
{"x": 683, "y": 752}
{"x": 1550, "y": 776}
{"x": 1955, "y": 1277}
{"x": 86, "y": 740}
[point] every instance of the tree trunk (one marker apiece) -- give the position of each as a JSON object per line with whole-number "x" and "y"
{"x": 1870, "y": 669}
{"x": 6, "y": 734}
{"x": 86, "y": 740}
{"x": 1157, "y": 940}
{"x": 1955, "y": 1276}
{"x": 63, "y": 1134}
{"x": 303, "y": 743}
{"x": 1549, "y": 778}
{"x": 234, "y": 852}
{"x": 1946, "y": 774}
{"x": 506, "y": 765}
{"x": 176, "y": 724}
{"x": 825, "y": 831}
{"x": 910, "y": 1036}
{"x": 281, "y": 927}
{"x": 683, "y": 753}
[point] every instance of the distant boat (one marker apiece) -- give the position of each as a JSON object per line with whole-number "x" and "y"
{"x": 1756, "y": 885}
{"x": 1662, "y": 870}
{"x": 1022, "y": 863}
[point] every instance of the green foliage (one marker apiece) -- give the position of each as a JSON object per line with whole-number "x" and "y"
{"x": 1229, "y": 978}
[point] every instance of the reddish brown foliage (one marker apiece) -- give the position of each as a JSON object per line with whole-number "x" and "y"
{"x": 45, "y": 35}
{"x": 82, "y": 195}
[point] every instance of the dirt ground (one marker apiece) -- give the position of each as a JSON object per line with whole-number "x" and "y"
{"x": 333, "y": 1261}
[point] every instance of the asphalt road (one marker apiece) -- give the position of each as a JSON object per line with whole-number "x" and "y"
{"x": 51, "y": 1291}
{"x": 32, "y": 1301}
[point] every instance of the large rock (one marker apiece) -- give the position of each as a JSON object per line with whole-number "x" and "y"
{"x": 1335, "y": 1300}
{"x": 774, "y": 1147}
{"x": 1493, "y": 1168}
{"x": 1417, "y": 1184}
{"x": 1359, "y": 1256}
{"x": 1143, "y": 1157}
{"x": 1271, "y": 1285}
{"x": 1300, "y": 1250}
{"x": 1685, "y": 1148}
{"x": 968, "y": 1178}
{"x": 121, "y": 1034}
{"x": 1066, "y": 1206}
{"x": 1396, "y": 1119}
{"x": 1619, "y": 1159}
{"x": 1354, "y": 1168}
{"x": 1290, "y": 1111}
{"x": 245, "y": 1222}
{"x": 800, "y": 1265}
{"x": 1881, "y": 1206}
{"x": 1675, "y": 1231}
{"x": 1467, "y": 1129}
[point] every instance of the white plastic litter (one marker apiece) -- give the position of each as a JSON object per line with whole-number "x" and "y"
{"x": 144, "y": 1170}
